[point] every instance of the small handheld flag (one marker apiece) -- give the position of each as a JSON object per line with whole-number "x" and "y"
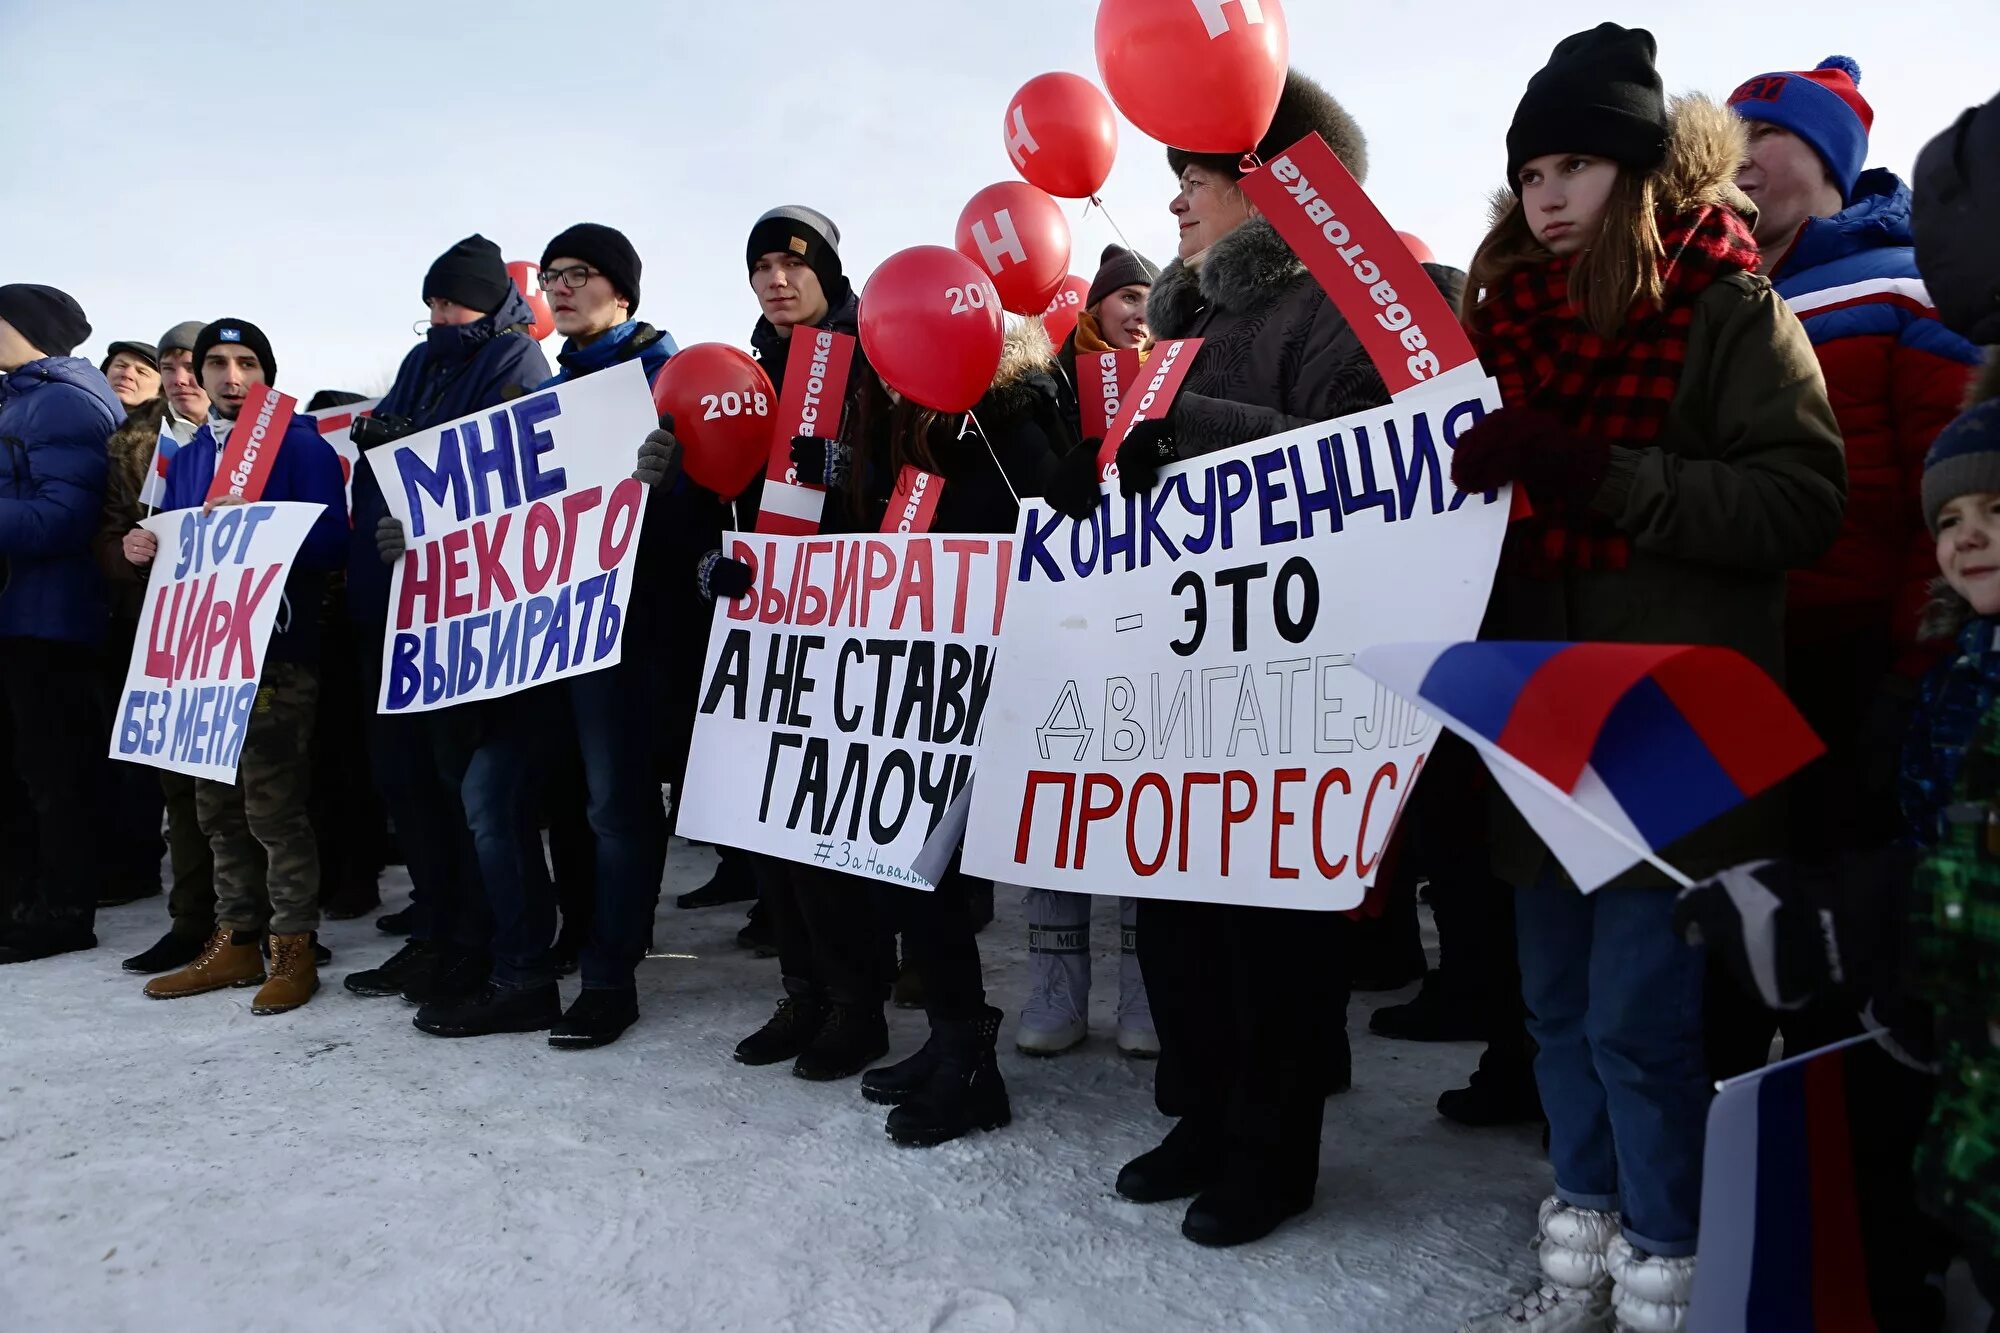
{"x": 153, "y": 489}
{"x": 1611, "y": 751}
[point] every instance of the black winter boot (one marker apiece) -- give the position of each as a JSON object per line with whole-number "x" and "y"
{"x": 732, "y": 882}
{"x": 1242, "y": 1206}
{"x": 1182, "y": 1166}
{"x": 892, "y": 1085}
{"x": 495, "y": 1009}
{"x": 393, "y": 975}
{"x": 1438, "y": 1013}
{"x": 964, "y": 1091}
{"x": 171, "y": 952}
{"x": 394, "y": 923}
{"x": 788, "y": 1031}
{"x": 598, "y": 1018}
{"x": 448, "y": 975}
{"x": 853, "y": 1037}
{"x": 28, "y": 941}
{"x": 1501, "y": 1091}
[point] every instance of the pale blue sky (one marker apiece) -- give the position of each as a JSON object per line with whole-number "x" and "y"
{"x": 301, "y": 164}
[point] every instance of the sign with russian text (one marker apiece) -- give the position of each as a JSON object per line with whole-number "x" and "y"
{"x": 816, "y": 368}
{"x": 1102, "y": 379}
{"x": 842, "y": 699}
{"x": 252, "y": 447}
{"x": 523, "y": 529}
{"x": 217, "y": 588}
{"x": 913, "y": 504}
{"x": 1176, "y": 712}
{"x": 1407, "y": 327}
{"x": 336, "y": 425}
{"x": 1151, "y": 398}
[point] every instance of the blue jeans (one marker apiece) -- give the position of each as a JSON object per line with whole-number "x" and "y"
{"x": 1614, "y": 1002}
{"x": 614, "y": 712}
{"x": 497, "y": 782}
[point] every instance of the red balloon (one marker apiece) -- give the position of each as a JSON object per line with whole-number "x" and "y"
{"x": 1020, "y": 237}
{"x": 1201, "y": 75}
{"x": 931, "y": 327}
{"x": 1416, "y": 246}
{"x": 1061, "y": 135}
{"x": 722, "y": 403}
{"x": 528, "y": 278}
{"x": 1063, "y": 309}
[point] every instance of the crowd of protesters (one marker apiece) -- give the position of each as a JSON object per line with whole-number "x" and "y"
{"x": 1742, "y": 389}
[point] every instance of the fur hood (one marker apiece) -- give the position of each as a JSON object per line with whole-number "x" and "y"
{"x": 1705, "y": 143}
{"x": 1243, "y": 271}
{"x": 1026, "y": 355}
{"x": 1946, "y": 612}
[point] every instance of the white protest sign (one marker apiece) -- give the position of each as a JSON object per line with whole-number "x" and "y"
{"x": 334, "y": 424}
{"x": 1176, "y": 712}
{"x": 842, "y": 700}
{"x": 213, "y": 599}
{"x": 523, "y": 529}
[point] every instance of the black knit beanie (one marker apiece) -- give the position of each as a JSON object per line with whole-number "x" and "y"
{"x": 470, "y": 274}
{"x": 807, "y": 233}
{"x": 1599, "y": 94}
{"x": 48, "y": 317}
{"x": 1118, "y": 267}
{"x": 242, "y": 333}
{"x": 604, "y": 249}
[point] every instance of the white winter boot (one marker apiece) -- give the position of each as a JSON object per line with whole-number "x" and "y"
{"x": 1649, "y": 1294}
{"x": 1053, "y": 1017}
{"x": 1136, "y": 1036}
{"x": 1574, "y": 1295}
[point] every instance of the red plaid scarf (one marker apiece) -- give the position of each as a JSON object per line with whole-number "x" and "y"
{"x": 1534, "y": 342}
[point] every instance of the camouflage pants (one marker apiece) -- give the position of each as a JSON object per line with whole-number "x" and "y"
{"x": 260, "y": 831}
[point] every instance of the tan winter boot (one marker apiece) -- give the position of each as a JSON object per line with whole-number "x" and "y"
{"x": 294, "y": 975}
{"x": 225, "y": 962}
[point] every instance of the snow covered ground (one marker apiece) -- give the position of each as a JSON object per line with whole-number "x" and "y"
{"x": 186, "y": 1165}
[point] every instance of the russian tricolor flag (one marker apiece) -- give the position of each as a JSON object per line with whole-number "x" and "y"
{"x": 1611, "y": 751}
{"x": 1781, "y": 1206}
{"x": 153, "y": 490}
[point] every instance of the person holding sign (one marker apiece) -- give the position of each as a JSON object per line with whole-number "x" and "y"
{"x": 476, "y": 354}
{"x": 260, "y": 829}
{"x": 1249, "y": 1002}
{"x": 1664, "y": 413}
{"x": 952, "y": 1086}
{"x": 55, "y": 412}
{"x": 590, "y": 273}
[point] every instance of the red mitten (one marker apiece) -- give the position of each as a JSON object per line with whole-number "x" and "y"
{"x": 1558, "y": 466}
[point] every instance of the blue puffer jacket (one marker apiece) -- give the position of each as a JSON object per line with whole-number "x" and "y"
{"x": 55, "y": 415}
{"x": 306, "y": 468}
{"x": 454, "y": 372}
{"x": 652, "y": 346}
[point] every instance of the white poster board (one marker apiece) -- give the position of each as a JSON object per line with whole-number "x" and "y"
{"x": 842, "y": 700}
{"x": 523, "y": 528}
{"x": 1176, "y": 712}
{"x": 212, "y": 601}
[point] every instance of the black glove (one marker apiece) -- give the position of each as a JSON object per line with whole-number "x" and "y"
{"x": 1775, "y": 927}
{"x": 1146, "y": 448}
{"x": 1074, "y": 486}
{"x": 720, "y": 576}
{"x": 821, "y": 462}
{"x": 660, "y": 455}
{"x": 389, "y": 540}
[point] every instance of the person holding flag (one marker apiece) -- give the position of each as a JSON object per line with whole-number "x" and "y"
{"x": 135, "y": 487}
{"x": 259, "y": 829}
{"x": 1667, "y": 420}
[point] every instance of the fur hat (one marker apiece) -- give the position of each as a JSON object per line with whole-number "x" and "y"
{"x": 1304, "y": 107}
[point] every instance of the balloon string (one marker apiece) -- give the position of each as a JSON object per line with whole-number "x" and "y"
{"x": 1148, "y": 269}
{"x": 973, "y": 422}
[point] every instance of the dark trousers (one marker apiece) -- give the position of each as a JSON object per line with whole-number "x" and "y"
{"x": 494, "y": 753}
{"x": 61, "y": 736}
{"x": 572, "y": 846}
{"x": 613, "y": 712}
{"x": 347, "y": 814}
{"x": 940, "y": 941}
{"x": 411, "y": 761}
{"x": 191, "y": 899}
{"x": 1249, "y": 1003}
{"x": 831, "y": 943}
{"x": 132, "y": 802}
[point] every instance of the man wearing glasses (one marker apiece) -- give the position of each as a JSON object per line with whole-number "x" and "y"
{"x": 476, "y": 353}
{"x": 590, "y": 275}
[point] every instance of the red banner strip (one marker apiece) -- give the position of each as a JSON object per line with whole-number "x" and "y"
{"x": 1407, "y": 327}
{"x": 816, "y": 371}
{"x": 1102, "y": 381}
{"x": 245, "y": 464}
{"x": 914, "y": 504}
{"x": 1150, "y": 397}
